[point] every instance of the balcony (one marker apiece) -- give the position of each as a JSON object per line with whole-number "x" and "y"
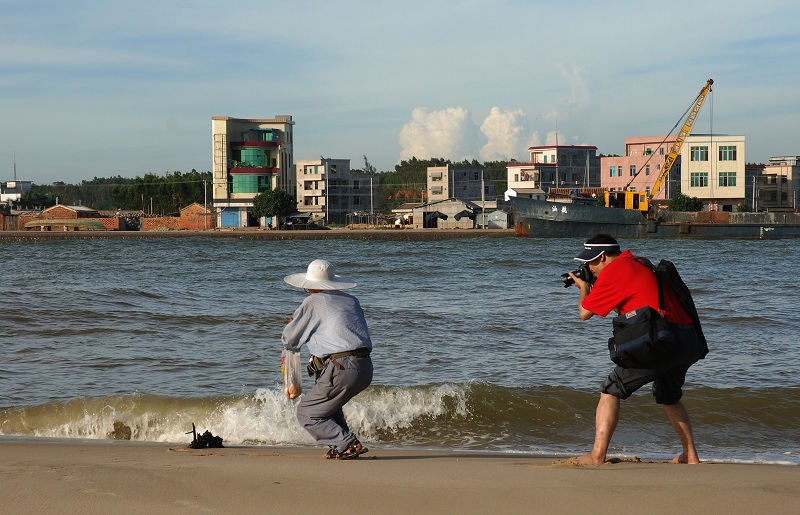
{"x": 243, "y": 168}
{"x": 255, "y": 144}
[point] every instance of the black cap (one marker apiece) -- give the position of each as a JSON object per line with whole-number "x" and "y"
{"x": 592, "y": 251}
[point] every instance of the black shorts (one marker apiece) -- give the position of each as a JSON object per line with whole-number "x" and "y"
{"x": 667, "y": 375}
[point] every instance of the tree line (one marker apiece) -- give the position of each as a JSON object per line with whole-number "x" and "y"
{"x": 162, "y": 195}
{"x": 167, "y": 194}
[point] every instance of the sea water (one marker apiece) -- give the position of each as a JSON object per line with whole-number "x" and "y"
{"x": 478, "y": 346}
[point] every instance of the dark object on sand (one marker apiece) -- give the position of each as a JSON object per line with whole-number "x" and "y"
{"x": 205, "y": 440}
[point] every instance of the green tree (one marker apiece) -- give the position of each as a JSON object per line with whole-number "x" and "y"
{"x": 681, "y": 202}
{"x": 274, "y": 203}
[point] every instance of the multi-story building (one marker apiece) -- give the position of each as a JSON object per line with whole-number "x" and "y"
{"x": 778, "y": 185}
{"x": 330, "y": 191}
{"x": 463, "y": 183}
{"x": 638, "y": 169}
{"x": 713, "y": 170}
{"x": 12, "y": 191}
{"x": 709, "y": 167}
{"x": 250, "y": 156}
{"x": 556, "y": 166}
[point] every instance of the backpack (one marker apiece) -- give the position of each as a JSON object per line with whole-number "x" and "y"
{"x": 668, "y": 275}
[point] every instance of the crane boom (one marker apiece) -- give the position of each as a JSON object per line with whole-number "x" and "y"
{"x": 641, "y": 200}
{"x": 679, "y": 139}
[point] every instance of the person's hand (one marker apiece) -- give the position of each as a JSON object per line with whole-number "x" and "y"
{"x": 579, "y": 283}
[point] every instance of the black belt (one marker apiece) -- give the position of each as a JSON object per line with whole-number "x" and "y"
{"x": 363, "y": 352}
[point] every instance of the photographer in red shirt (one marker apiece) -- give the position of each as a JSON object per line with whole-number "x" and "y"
{"x": 624, "y": 284}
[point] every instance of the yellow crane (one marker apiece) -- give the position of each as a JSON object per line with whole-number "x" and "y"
{"x": 641, "y": 200}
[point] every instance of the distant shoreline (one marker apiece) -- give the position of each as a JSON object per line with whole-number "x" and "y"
{"x": 260, "y": 234}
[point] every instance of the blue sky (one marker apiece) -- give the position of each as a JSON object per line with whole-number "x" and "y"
{"x": 100, "y": 89}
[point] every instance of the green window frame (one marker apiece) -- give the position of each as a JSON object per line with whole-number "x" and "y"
{"x": 727, "y": 179}
{"x": 727, "y": 153}
{"x": 699, "y": 153}
{"x": 698, "y": 179}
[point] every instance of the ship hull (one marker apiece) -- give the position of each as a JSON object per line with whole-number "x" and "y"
{"x": 547, "y": 219}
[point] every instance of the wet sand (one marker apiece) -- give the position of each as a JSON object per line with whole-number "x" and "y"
{"x": 72, "y": 476}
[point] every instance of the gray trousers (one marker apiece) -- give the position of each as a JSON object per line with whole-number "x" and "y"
{"x": 320, "y": 410}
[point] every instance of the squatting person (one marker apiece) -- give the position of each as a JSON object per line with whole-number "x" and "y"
{"x": 331, "y": 324}
{"x": 624, "y": 284}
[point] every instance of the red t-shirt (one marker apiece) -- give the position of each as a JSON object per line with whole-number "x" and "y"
{"x": 625, "y": 285}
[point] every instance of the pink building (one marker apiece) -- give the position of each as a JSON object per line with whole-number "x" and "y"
{"x": 639, "y": 167}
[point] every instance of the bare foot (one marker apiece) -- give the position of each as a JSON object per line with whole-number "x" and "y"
{"x": 586, "y": 459}
{"x": 683, "y": 458}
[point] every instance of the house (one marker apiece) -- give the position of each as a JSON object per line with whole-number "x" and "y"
{"x": 554, "y": 166}
{"x": 779, "y": 184}
{"x": 330, "y": 191}
{"x": 250, "y": 156}
{"x": 465, "y": 183}
{"x": 446, "y": 214}
{"x": 69, "y": 218}
{"x": 194, "y": 217}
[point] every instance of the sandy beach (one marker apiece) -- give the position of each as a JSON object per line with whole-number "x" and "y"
{"x": 74, "y": 476}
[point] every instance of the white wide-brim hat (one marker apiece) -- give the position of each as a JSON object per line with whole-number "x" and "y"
{"x": 321, "y": 275}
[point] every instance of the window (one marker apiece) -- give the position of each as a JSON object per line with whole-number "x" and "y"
{"x": 633, "y": 170}
{"x": 356, "y": 185}
{"x": 613, "y": 171}
{"x": 661, "y": 151}
{"x": 545, "y": 159}
{"x": 727, "y": 178}
{"x": 648, "y": 151}
{"x": 699, "y": 153}
{"x": 647, "y": 169}
{"x": 516, "y": 177}
{"x": 356, "y": 201}
{"x": 727, "y": 153}
{"x": 698, "y": 179}
{"x": 476, "y": 176}
{"x": 246, "y": 183}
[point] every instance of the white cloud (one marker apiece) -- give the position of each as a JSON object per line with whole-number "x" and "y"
{"x": 506, "y": 132}
{"x": 555, "y": 138}
{"x": 449, "y": 134}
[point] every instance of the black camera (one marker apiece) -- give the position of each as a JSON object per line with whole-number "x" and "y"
{"x": 582, "y": 273}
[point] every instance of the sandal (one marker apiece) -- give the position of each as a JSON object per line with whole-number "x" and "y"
{"x": 332, "y": 453}
{"x": 354, "y": 450}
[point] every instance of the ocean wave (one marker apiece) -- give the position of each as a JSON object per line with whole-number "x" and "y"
{"x": 465, "y": 416}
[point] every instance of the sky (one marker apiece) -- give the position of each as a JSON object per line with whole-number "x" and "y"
{"x": 104, "y": 89}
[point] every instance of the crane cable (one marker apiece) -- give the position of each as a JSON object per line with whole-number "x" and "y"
{"x": 680, "y": 120}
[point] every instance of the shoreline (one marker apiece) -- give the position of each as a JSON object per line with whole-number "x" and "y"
{"x": 263, "y": 234}
{"x": 62, "y": 476}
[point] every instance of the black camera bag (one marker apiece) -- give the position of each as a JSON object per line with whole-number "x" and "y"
{"x": 641, "y": 337}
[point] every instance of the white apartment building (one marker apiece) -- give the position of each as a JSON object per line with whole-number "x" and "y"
{"x": 463, "y": 183}
{"x": 250, "y": 156}
{"x": 713, "y": 170}
{"x": 328, "y": 190}
{"x": 555, "y": 166}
